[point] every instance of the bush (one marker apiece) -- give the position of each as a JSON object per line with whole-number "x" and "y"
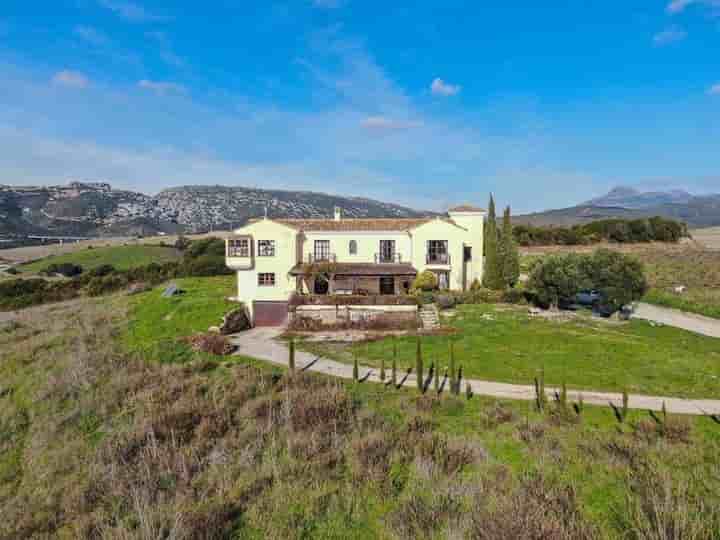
{"x": 212, "y": 344}
{"x": 557, "y": 279}
{"x": 206, "y": 247}
{"x": 64, "y": 269}
{"x": 425, "y": 281}
{"x": 101, "y": 271}
{"x": 445, "y": 301}
{"x": 99, "y": 286}
{"x": 12, "y": 271}
{"x": 205, "y": 266}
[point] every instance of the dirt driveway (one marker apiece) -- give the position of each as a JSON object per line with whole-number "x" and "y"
{"x": 679, "y": 319}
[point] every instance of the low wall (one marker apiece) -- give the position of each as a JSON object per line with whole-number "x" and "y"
{"x": 357, "y": 315}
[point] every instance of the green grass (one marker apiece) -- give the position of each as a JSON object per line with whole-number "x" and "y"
{"x": 156, "y": 324}
{"x": 507, "y": 345}
{"x": 121, "y": 257}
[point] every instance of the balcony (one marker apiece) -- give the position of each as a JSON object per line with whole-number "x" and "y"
{"x": 315, "y": 258}
{"x": 438, "y": 259}
{"x": 388, "y": 258}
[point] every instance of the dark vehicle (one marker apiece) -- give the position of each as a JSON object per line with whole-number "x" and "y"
{"x": 588, "y": 298}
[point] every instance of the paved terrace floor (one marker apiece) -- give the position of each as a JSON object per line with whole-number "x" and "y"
{"x": 261, "y": 343}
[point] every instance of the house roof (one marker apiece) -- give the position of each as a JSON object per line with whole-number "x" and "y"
{"x": 362, "y": 269}
{"x": 357, "y": 224}
{"x": 466, "y": 208}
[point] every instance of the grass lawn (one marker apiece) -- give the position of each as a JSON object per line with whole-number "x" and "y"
{"x": 504, "y": 344}
{"x": 121, "y": 257}
{"x": 156, "y": 324}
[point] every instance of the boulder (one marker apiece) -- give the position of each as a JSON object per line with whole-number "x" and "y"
{"x": 235, "y": 321}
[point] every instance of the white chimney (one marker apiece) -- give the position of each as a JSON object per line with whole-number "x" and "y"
{"x": 338, "y": 213}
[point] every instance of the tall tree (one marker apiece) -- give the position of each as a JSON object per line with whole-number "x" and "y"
{"x": 492, "y": 276}
{"x": 508, "y": 256}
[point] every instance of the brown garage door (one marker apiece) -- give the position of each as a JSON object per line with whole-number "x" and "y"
{"x": 270, "y": 313}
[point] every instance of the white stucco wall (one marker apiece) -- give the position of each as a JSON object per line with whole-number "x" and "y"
{"x": 368, "y": 244}
{"x": 285, "y": 258}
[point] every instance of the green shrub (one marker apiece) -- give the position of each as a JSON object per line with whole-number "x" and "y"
{"x": 425, "y": 281}
{"x": 99, "y": 286}
{"x": 206, "y": 247}
{"x": 205, "y": 266}
{"x": 102, "y": 270}
{"x": 64, "y": 269}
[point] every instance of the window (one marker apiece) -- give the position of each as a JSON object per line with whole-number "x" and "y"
{"x": 266, "y": 280}
{"x": 353, "y": 247}
{"x": 322, "y": 250}
{"x": 266, "y": 248}
{"x": 238, "y": 247}
{"x": 437, "y": 252}
{"x": 387, "y": 251}
{"x": 467, "y": 253}
{"x": 443, "y": 280}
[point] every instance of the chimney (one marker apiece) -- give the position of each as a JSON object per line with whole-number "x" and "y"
{"x": 338, "y": 213}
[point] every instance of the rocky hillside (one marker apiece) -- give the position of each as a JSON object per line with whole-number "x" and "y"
{"x": 96, "y": 209}
{"x": 628, "y": 203}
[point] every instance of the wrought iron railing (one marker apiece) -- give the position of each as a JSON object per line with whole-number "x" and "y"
{"x": 321, "y": 258}
{"x": 388, "y": 258}
{"x": 437, "y": 258}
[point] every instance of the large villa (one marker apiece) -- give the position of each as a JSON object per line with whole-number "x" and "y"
{"x": 278, "y": 258}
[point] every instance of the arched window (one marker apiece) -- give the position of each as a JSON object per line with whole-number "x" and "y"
{"x": 353, "y": 247}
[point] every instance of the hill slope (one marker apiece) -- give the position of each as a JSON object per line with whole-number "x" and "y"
{"x": 96, "y": 209}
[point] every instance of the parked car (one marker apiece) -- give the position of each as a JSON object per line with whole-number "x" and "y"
{"x": 588, "y": 298}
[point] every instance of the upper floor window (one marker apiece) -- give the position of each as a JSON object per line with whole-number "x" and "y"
{"x": 437, "y": 251}
{"x": 238, "y": 247}
{"x": 353, "y": 247}
{"x": 322, "y": 250}
{"x": 266, "y": 248}
{"x": 266, "y": 280}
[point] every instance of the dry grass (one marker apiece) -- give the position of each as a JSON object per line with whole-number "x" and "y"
{"x": 97, "y": 444}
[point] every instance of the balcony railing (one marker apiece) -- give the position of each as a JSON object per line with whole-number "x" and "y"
{"x": 437, "y": 258}
{"x": 388, "y": 258}
{"x": 321, "y": 258}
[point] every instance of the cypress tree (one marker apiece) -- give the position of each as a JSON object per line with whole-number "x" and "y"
{"x": 492, "y": 276}
{"x": 507, "y": 253}
{"x": 291, "y": 357}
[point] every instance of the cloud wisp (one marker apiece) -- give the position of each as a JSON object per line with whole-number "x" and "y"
{"x": 714, "y": 90}
{"x": 673, "y": 34}
{"x": 131, "y": 12}
{"x": 162, "y": 88}
{"x": 440, "y": 88}
{"x": 382, "y": 123}
{"x": 70, "y": 79}
{"x": 678, "y": 6}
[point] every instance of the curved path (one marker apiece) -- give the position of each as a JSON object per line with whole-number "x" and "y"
{"x": 261, "y": 343}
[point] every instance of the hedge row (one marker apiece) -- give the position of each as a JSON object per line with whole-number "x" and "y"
{"x": 655, "y": 229}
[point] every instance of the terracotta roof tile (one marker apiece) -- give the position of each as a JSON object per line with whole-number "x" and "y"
{"x": 356, "y": 224}
{"x": 466, "y": 208}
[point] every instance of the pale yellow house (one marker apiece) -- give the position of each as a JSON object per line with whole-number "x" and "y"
{"x": 275, "y": 258}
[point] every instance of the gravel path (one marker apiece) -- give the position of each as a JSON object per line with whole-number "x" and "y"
{"x": 706, "y": 326}
{"x": 261, "y": 343}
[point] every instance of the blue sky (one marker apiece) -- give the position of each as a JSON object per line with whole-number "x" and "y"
{"x": 425, "y": 103}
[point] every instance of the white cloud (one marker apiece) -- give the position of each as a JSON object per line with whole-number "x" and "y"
{"x": 678, "y": 6}
{"x": 91, "y": 35}
{"x": 131, "y": 12}
{"x": 70, "y": 79}
{"x": 714, "y": 90}
{"x": 441, "y": 88}
{"x": 162, "y": 88}
{"x": 669, "y": 35}
{"x": 382, "y": 123}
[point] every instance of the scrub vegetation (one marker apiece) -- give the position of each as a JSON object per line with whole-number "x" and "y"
{"x": 97, "y": 442}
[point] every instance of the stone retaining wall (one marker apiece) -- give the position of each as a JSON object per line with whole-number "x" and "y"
{"x": 329, "y": 316}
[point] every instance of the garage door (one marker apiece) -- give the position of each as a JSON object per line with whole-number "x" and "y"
{"x": 270, "y": 313}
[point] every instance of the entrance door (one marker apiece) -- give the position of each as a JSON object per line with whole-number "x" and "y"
{"x": 387, "y": 285}
{"x": 270, "y": 313}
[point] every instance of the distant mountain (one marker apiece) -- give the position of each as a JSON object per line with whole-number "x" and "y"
{"x": 629, "y": 203}
{"x": 96, "y": 209}
{"x": 626, "y": 197}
